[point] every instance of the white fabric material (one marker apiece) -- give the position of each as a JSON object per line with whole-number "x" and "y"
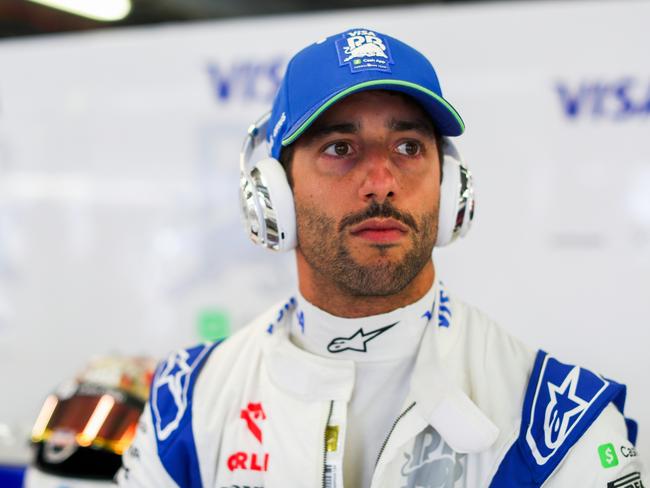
{"x": 469, "y": 372}
{"x": 382, "y": 372}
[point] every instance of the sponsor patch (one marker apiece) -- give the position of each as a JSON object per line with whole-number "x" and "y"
{"x": 431, "y": 463}
{"x": 356, "y": 342}
{"x": 277, "y": 127}
{"x": 444, "y": 312}
{"x": 332, "y": 438}
{"x": 301, "y": 320}
{"x": 364, "y": 50}
{"x": 253, "y": 414}
{"x": 607, "y": 454}
{"x": 282, "y": 313}
{"x": 248, "y": 461}
{"x": 629, "y": 451}
{"x": 632, "y": 480}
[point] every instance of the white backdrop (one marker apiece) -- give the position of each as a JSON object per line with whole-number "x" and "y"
{"x": 118, "y": 183}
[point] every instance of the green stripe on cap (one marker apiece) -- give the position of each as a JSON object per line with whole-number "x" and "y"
{"x": 338, "y": 96}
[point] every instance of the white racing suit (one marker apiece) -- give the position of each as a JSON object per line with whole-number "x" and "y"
{"x": 483, "y": 411}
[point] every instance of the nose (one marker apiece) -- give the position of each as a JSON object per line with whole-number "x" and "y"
{"x": 379, "y": 182}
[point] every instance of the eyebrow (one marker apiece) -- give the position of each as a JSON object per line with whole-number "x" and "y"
{"x": 322, "y": 130}
{"x": 317, "y": 131}
{"x": 407, "y": 125}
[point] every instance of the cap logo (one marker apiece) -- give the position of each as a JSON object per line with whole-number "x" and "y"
{"x": 364, "y": 50}
{"x": 277, "y": 127}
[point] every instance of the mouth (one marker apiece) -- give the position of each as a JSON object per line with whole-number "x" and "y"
{"x": 380, "y": 230}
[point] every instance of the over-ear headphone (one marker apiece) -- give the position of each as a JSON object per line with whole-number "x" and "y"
{"x": 267, "y": 200}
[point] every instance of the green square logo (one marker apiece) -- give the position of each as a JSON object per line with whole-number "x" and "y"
{"x": 607, "y": 455}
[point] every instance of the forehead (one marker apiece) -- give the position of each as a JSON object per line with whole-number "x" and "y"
{"x": 382, "y": 107}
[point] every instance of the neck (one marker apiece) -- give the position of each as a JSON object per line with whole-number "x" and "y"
{"x": 329, "y": 296}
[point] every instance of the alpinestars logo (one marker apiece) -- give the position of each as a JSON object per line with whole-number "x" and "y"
{"x": 558, "y": 406}
{"x": 358, "y": 340}
{"x": 563, "y": 407}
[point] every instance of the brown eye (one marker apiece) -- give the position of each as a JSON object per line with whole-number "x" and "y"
{"x": 409, "y": 148}
{"x": 338, "y": 149}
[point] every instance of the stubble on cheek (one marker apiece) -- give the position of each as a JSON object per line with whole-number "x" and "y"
{"x": 325, "y": 249}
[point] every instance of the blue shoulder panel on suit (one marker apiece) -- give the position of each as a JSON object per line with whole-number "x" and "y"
{"x": 561, "y": 402}
{"x": 171, "y": 408}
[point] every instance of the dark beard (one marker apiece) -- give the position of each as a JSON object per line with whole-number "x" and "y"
{"x": 322, "y": 243}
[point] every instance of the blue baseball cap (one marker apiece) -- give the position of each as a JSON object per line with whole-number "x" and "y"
{"x": 355, "y": 60}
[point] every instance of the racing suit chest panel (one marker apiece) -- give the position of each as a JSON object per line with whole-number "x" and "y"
{"x": 250, "y": 431}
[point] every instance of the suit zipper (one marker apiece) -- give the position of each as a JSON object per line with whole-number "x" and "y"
{"x": 329, "y": 417}
{"x": 400, "y": 417}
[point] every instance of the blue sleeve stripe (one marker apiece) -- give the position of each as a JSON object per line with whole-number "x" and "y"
{"x": 561, "y": 403}
{"x": 632, "y": 430}
{"x": 171, "y": 409}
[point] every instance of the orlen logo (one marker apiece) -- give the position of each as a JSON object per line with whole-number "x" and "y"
{"x": 252, "y": 81}
{"x": 253, "y": 415}
{"x": 617, "y": 100}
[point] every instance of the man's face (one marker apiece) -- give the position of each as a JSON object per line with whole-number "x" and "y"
{"x": 366, "y": 182}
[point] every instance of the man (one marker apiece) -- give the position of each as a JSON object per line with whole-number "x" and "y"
{"x": 372, "y": 375}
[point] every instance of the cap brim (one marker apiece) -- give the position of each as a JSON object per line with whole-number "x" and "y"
{"x": 446, "y": 119}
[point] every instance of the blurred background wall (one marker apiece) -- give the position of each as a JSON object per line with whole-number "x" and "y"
{"x": 119, "y": 224}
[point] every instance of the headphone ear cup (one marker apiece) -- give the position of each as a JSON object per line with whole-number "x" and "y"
{"x": 468, "y": 216}
{"x": 456, "y": 197}
{"x": 448, "y": 201}
{"x": 275, "y": 203}
{"x": 251, "y": 213}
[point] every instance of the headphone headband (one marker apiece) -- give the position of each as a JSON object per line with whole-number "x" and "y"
{"x": 255, "y": 136}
